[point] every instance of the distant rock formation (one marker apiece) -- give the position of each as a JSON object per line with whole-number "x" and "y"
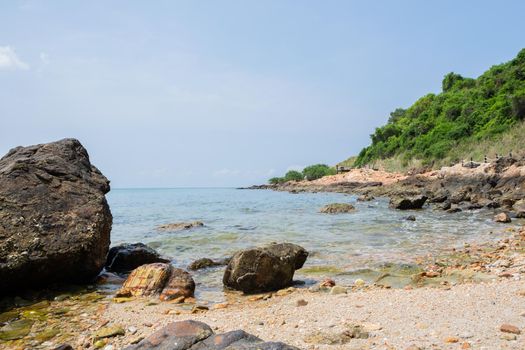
{"x": 54, "y": 219}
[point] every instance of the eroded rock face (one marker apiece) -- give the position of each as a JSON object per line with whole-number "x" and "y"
{"x": 158, "y": 279}
{"x": 264, "y": 268}
{"x": 406, "y": 203}
{"x": 126, "y": 257}
{"x": 195, "y": 335}
{"x": 54, "y": 219}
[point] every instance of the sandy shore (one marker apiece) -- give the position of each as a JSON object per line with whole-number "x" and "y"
{"x": 429, "y": 318}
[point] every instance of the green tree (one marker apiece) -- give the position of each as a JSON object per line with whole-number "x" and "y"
{"x": 293, "y": 175}
{"x": 317, "y": 171}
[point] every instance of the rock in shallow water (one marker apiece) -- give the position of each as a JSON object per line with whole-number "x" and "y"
{"x": 407, "y": 203}
{"x": 179, "y": 226}
{"x": 502, "y": 217}
{"x": 158, "y": 278}
{"x": 54, "y": 218}
{"x": 264, "y": 268}
{"x": 204, "y": 263}
{"x": 337, "y": 208}
{"x": 126, "y": 257}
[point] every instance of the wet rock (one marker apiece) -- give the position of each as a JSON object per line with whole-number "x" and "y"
{"x": 502, "y": 217}
{"x": 54, "y": 218}
{"x": 454, "y": 209}
{"x": 126, "y": 257}
{"x": 204, "y": 263}
{"x": 365, "y": 198}
{"x": 16, "y": 330}
{"x": 446, "y": 206}
{"x": 407, "y": 203}
{"x": 410, "y": 218}
{"x": 179, "y": 226}
{"x": 266, "y": 268}
{"x": 337, "y": 208}
{"x": 158, "y": 278}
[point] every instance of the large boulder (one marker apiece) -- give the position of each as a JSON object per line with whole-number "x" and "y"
{"x": 126, "y": 257}
{"x": 266, "y": 268}
{"x": 195, "y": 335}
{"x": 406, "y": 203}
{"x": 158, "y": 279}
{"x": 54, "y": 218}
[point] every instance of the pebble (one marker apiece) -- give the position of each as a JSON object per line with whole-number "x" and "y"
{"x": 508, "y": 337}
{"x": 508, "y": 328}
{"x": 359, "y": 282}
{"x": 132, "y": 330}
{"x": 337, "y": 290}
{"x": 301, "y": 302}
{"x": 451, "y": 339}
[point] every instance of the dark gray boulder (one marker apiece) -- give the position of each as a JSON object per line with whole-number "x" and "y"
{"x": 407, "y": 203}
{"x": 54, "y": 218}
{"x": 266, "y": 268}
{"x": 195, "y": 335}
{"x": 126, "y": 257}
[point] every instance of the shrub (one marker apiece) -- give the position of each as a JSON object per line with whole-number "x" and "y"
{"x": 317, "y": 171}
{"x": 293, "y": 175}
{"x": 276, "y": 180}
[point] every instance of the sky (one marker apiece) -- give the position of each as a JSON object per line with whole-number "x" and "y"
{"x": 231, "y": 93}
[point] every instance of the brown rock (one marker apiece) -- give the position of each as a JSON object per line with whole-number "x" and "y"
{"x": 54, "y": 218}
{"x": 502, "y": 217}
{"x": 337, "y": 208}
{"x": 179, "y": 284}
{"x": 301, "y": 302}
{"x": 508, "y": 328}
{"x": 179, "y": 226}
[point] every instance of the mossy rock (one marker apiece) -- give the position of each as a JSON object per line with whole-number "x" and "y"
{"x": 16, "y": 330}
{"x": 46, "y": 334}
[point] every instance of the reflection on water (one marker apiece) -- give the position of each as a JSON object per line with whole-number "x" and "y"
{"x": 340, "y": 245}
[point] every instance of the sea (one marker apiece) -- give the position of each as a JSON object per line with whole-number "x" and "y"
{"x": 365, "y": 244}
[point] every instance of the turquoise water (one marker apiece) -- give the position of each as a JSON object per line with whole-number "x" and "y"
{"x": 234, "y": 219}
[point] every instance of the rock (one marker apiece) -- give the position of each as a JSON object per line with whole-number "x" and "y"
{"x": 158, "y": 278}
{"x": 508, "y": 328}
{"x": 179, "y": 284}
{"x": 410, "y": 218}
{"x": 354, "y": 331}
{"x": 301, "y": 302}
{"x": 502, "y": 217}
{"x": 451, "y": 340}
{"x": 519, "y": 208}
{"x": 196, "y": 335}
{"x": 406, "y": 203}
{"x": 337, "y": 208}
{"x": 327, "y": 283}
{"x": 266, "y": 268}
{"x": 108, "y": 332}
{"x": 16, "y": 330}
{"x": 446, "y": 206}
{"x": 359, "y": 282}
{"x": 179, "y": 226}
{"x": 365, "y": 198}
{"x": 338, "y": 290}
{"x": 126, "y": 257}
{"x": 454, "y": 209}
{"x": 508, "y": 336}
{"x": 54, "y": 218}
{"x": 206, "y": 262}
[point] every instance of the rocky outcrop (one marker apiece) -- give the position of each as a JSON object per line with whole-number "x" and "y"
{"x": 337, "y": 208}
{"x": 126, "y": 257}
{"x": 195, "y": 335}
{"x": 179, "y": 226}
{"x": 54, "y": 219}
{"x": 264, "y": 268}
{"x": 204, "y": 263}
{"x": 158, "y": 279}
{"x": 407, "y": 203}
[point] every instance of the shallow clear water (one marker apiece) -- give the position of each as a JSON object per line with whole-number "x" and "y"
{"x": 236, "y": 219}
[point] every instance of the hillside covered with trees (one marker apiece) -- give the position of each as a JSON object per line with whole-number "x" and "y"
{"x": 467, "y": 112}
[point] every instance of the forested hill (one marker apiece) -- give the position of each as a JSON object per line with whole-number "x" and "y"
{"x": 467, "y": 112}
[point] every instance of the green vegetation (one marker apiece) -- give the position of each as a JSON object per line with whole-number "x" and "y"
{"x": 467, "y": 114}
{"x": 311, "y": 172}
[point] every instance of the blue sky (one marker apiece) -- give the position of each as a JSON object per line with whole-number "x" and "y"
{"x": 230, "y": 93}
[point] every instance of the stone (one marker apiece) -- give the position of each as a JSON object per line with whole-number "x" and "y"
{"x": 64, "y": 347}
{"x": 508, "y": 328}
{"x": 265, "y": 268}
{"x": 338, "y": 290}
{"x": 55, "y": 221}
{"x": 451, "y": 340}
{"x": 16, "y": 330}
{"x": 179, "y": 226}
{"x": 407, "y": 203}
{"x": 337, "y": 208}
{"x": 179, "y": 284}
{"x": 410, "y": 218}
{"x": 108, "y": 332}
{"x": 204, "y": 263}
{"x": 327, "y": 283}
{"x": 502, "y": 217}
{"x": 301, "y": 302}
{"x": 508, "y": 336}
{"x": 127, "y": 257}
{"x": 158, "y": 279}
{"x": 359, "y": 282}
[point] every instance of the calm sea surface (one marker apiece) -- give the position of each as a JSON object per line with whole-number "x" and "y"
{"x": 344, "y": 245}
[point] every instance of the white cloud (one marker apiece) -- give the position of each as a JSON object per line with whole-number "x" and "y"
{"x": 9, "y": 59}
{"x": 44, "y": 58}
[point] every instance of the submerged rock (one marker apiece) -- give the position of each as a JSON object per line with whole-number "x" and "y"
{"x": 197, "y": 335}
{"x": 54, "y": 218}
{"x": 179, "y": 226}
{"x": 406, "y": 203}
{"x": 264, "y": 268}
{"x": 204, "y": 263}
{"x": 126, "y": 257}
{"x": 337, "y": 208}
{"x": 158, "y": 279}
